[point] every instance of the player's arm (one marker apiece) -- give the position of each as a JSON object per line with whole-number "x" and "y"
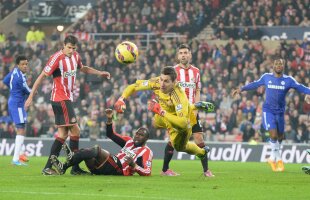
{"x": 7, "y": 79}
{"x": 300, "y": 87}
{"x": 250, "y": 86}
{"x": 35, "y": 87}
{"x": 140, "y": 85}
{"x": 90, "y": 70}
{"x": 146, "y": 168}
{"x": 115, "y": 137}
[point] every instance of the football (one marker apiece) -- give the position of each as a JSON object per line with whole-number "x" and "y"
{"x": 126, "y": 52}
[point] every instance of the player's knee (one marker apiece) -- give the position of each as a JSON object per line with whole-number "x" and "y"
{"x": 179, "y": 147}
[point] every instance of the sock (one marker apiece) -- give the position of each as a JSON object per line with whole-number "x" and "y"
{"x": 204, "y": 161}
{"x": 55, "y": 150}
{"x": 168, "y": 156}
{"x": 277, "y": 154}
{"x": 274, "y": 149}
{"x": 193, "y": 149}
{"x": 19, "y": 141}
{"x": 74, "y": 146}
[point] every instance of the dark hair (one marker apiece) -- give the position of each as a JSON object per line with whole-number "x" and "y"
{"x": 20, "y": 58}
{"x": 184, "y": 46}
{"x": 71, "y": 39}
{"x": 170, "y": 71}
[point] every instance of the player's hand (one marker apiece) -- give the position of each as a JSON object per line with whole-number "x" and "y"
{"x": 105, "y": 74}
{"x": 28, "y": 103}
{"x": 109, "y": 113}
{"x": 154, "y": 106}
{"x": 120, "y": 105}
{"x": 235, "y": 92}
{"x": 307, "y": 99}
{"x": 129, "y": 160}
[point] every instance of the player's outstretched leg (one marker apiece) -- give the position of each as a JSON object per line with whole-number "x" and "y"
{"x": 59, "y": 166}
{"x": 69, "y": 154}
{"x": 205, "y": 106}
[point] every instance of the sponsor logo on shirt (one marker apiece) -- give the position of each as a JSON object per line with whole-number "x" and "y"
{"x": 128, "y": 152}
{"x": 71, "y": 73}
{"x": 276, "y": 87}
{"x": 187, "y": 85}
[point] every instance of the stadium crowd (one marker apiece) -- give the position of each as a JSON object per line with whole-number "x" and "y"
{"x": 7, "y": 6}
{"x": 223, "y": 66}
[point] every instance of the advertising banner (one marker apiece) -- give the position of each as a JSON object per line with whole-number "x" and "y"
{"x": 295, "y": 153}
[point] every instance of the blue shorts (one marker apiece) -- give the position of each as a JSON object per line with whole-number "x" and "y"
{"x": 273, "y": 121}
{"x": 18, "y": 115}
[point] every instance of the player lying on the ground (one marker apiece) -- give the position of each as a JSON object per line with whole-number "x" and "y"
{"x": 134, "y": 156}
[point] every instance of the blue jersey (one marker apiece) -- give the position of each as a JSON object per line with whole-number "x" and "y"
{"x": 19, "y": 92}
{"x": 276, "y": 90}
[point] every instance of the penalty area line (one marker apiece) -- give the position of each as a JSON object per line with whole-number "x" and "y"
{"x": 89, "y": 194}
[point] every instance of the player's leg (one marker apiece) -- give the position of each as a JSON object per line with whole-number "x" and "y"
{"x": 55, "y": 150}
{"x": 19, "y": 141}
{"x": 158, "y": 122}
{"x": 19, "y": 117}
{"x": 199, "y": 140}
{"x": 280, "y": 137}
{"x": 269, "y": 124}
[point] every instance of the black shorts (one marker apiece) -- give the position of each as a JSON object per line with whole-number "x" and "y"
{"x": 64, "y": 113}
{"x": 112, "y": 166}
{"x": 197, "y": 128}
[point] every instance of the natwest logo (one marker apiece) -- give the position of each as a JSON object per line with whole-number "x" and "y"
{"x": 31, "y": 149}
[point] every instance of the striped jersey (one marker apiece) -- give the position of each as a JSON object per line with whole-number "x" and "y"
{"x": 63, "y": 69}
{"x": 189, "y": 80}
{"x": 276, "y": 90}
{"x": 142, "y": 155}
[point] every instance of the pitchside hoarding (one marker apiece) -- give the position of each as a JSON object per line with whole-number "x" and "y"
{"x": 241, "y": 152}
{"x": 285, "y": 33}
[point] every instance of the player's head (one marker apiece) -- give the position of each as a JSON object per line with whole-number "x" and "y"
{"x": 184, "y": 54}
{"x": 70, "y": 45}
{"x": 141, "y": 136}
{"x": 22, "y": 63}
{"x": 168, "y": 77}
{"x": 278, "y": 65}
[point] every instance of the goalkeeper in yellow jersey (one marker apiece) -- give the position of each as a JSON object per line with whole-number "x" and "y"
{"x": 172, "y": 109}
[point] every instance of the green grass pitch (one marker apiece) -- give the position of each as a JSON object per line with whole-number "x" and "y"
{"x": 233, "y": 180}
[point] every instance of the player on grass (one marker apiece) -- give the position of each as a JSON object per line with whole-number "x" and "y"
{"x": 63, "y": 66}
{"x": 134, "y": 157}
{"x": 188, "y": 79}
{"x": 173, "y": 112}
{"x": 276, "y": 85}
{"x": 17, "y": 82}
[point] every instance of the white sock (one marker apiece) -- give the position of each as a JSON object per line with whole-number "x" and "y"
{"x": 274, "y": 149}
{"x": 278, "y": 155}
{"x": 19, "y": 141}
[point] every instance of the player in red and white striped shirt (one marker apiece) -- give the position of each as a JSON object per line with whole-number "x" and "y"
{"x": 189, "y": 80}
{"x": 63, "y": 65}
{"x": 134, "y": 157}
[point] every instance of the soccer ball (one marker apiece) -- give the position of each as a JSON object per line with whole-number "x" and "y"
{"x": 126, "y": 52}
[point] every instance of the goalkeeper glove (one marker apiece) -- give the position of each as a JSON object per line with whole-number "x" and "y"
{"x": 120, "y": 105}
{"x": 154, "y": 106}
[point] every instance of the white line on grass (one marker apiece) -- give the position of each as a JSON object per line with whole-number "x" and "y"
{"x": 89, "y": 194}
